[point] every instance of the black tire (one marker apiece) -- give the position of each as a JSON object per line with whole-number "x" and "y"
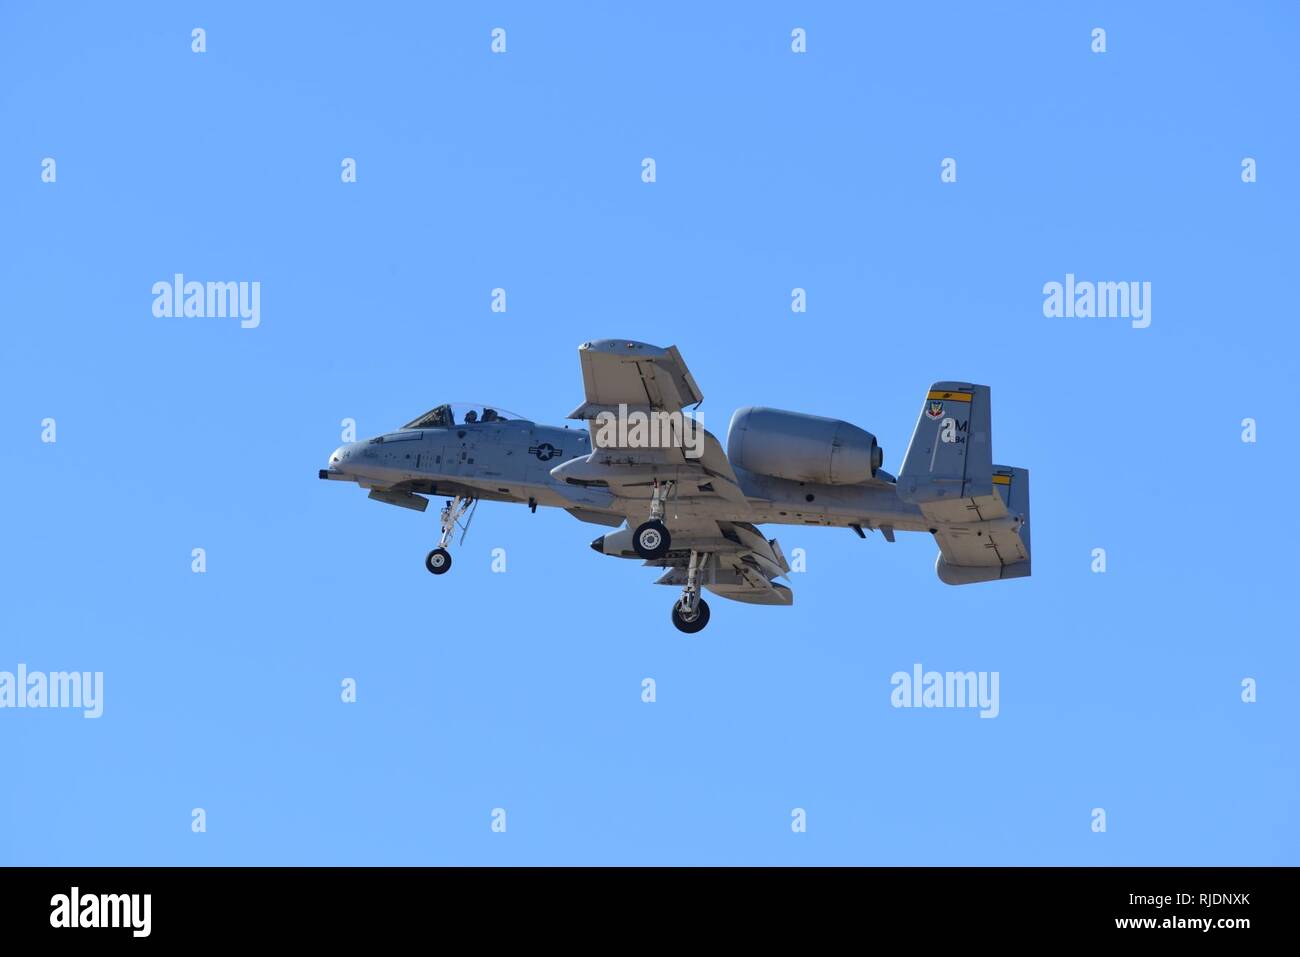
{"x": 651, "y": 539}
{"x": 438, "y": 561}
{"x": 696, "y": 622}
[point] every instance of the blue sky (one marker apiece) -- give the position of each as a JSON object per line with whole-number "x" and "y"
{"x": 522, "y": 171}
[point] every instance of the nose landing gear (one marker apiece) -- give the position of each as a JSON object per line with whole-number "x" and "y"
{"x": 438, "y": 561}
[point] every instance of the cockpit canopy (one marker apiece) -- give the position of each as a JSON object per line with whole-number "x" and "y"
{"x": 462, "y": 413}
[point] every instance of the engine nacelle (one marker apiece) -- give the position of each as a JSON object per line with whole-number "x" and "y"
{"x": 802, "y": 448}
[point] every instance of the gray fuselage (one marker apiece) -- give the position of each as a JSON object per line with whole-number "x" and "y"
{"x": 512, "y": 460}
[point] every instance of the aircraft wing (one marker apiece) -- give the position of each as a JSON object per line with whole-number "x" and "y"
{"x": 740, "y": 563}
{"x": 624, "y": 380}
{"x": 639, "y": 376}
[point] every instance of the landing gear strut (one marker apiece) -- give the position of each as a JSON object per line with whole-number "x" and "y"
{"x": 438, "y": 561}
{"x": 651, "y": 539}
{"x": 691, "y": 613}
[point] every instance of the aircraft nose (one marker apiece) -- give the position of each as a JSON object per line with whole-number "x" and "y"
{"x": 337, "y": 458}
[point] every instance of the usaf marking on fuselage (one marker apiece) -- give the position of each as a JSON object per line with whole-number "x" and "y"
{"x": 696, "y": 515}
{"x": 546, "y": 451}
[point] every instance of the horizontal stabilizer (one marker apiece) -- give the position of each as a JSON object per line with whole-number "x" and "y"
{"x": 989, "y": 549}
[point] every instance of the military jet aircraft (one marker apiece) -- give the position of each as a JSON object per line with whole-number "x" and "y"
{"x": 686, "y": 506}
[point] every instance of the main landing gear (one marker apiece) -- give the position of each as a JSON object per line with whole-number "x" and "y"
{"x": 438, "y": 561}
{"x": 651, "y": 539}
{"x": 691, "y": 613}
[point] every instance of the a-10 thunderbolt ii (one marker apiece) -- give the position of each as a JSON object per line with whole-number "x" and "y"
{"x": 690, "y": 508}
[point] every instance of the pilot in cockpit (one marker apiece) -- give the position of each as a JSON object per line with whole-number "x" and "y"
{"x": 490, "y": 415}
{"x": 471, "y": 417}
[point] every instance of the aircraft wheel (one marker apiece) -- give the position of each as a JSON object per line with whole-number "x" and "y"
{"x": 696, "y": 621}
{"x": 651, "y": 539}
{"x": 438, "y": 561}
